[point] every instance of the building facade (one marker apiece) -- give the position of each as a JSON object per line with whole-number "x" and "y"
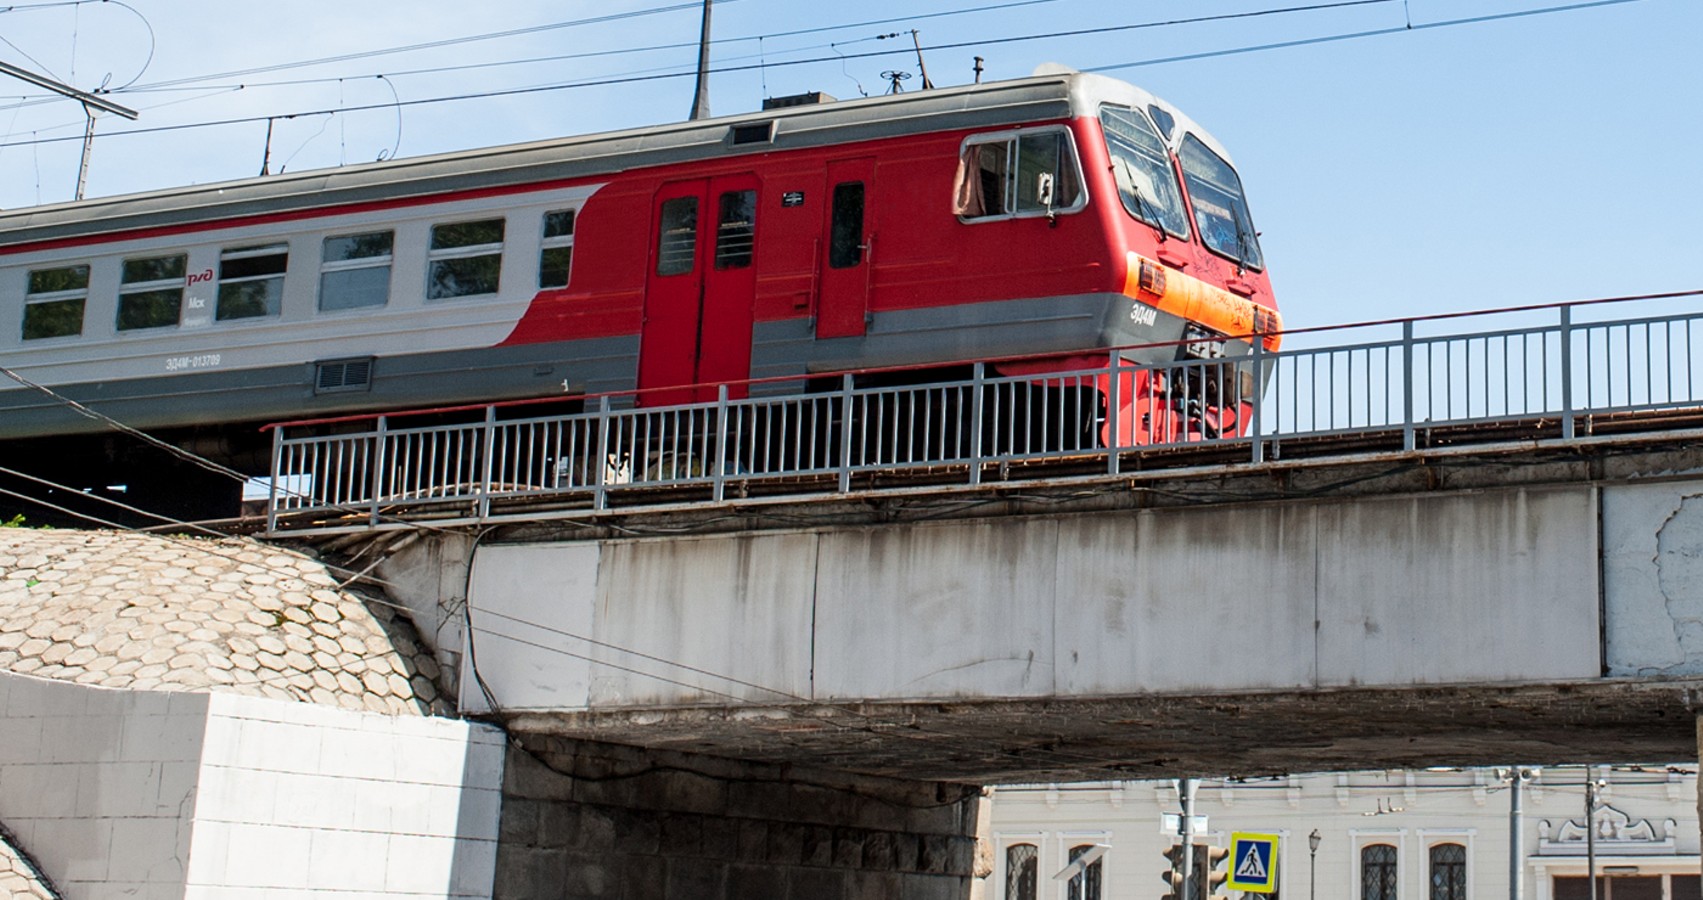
{"x": 1439, "y": 834}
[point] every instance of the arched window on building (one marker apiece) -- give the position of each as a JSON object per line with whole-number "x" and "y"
{"x": 1378, "y": 872}
{"x": 1022, "y": 869}
{"x": 1086, "y": 884}
{"x": 1448, "y": 872}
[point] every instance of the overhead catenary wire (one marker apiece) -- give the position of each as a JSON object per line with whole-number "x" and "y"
{"x": 178, "y": 84}
{"x": 686, "y": 73}
{"x": 432, "y": 45}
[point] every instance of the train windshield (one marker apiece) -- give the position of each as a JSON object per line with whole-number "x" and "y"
{"x": 1146, "y": 181}
{"x": 1220, "y": 210}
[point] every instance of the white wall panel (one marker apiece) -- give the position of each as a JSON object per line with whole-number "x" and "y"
{"x": 141, "y": 795}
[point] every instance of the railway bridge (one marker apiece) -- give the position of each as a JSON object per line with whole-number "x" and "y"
{"x": 1477, "y": 546}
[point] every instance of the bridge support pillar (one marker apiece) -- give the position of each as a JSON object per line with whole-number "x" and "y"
{"x": 587, "y": 820}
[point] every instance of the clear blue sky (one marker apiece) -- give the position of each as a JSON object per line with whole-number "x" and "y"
{"x": 1521, "y": 160}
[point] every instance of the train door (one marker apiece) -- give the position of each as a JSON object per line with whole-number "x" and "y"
{"x": 699, "y": 289}
{"x": 844, "y": 303}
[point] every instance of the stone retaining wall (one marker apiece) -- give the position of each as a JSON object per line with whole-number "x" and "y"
{"x": 617, "y": 823}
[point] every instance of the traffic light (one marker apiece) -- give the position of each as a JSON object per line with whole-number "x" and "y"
{"x": 1209, "y": 871}
{"x": 1173, "y": 876}
{"x": 1209, "y": 863}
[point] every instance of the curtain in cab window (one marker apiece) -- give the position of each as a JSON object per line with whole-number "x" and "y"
{"x": 1028, "y": 173}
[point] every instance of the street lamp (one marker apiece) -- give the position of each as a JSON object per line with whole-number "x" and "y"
{"x": 1313, "y": 864}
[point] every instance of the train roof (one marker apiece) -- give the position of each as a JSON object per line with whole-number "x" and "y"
{"x": 1054, "y": 93}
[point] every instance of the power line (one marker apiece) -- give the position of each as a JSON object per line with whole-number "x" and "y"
{"x": 431, "y": 45}
{"x": 592, "y": 54}
{"x": 630, "y": 79}
{"x": 898, "y": 729}
{"x": 1378, "y": 32}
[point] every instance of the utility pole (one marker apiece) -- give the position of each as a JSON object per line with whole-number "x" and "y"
{"x": 1591, "y": 831}
{"x": 1185, "y": 830}
{"x": 91, "y": 102}
{"x": 922, "y": 67}
{"x": 701, "y": 95}
{"x": 1516, "y": 841}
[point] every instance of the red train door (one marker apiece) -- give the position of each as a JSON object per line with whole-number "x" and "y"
{"x": 844, "y": 303}
{"x": 698, "y": 293}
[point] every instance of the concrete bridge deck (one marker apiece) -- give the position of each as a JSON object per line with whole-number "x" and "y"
{"x": 1440, "y": 607}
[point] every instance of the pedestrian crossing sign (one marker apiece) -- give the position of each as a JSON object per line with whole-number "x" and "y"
{"x": 1253, "y": 863}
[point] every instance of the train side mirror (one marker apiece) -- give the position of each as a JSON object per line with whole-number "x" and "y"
{"x": 1044, "y": 195}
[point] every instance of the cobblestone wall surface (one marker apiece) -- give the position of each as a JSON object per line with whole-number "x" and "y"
{"x": 18, "y": 879}
{"x": 583, "y": 821}
{"x": 148, "y": 612}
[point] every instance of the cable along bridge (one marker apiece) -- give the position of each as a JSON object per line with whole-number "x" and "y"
{"x": 1626, "y": 369}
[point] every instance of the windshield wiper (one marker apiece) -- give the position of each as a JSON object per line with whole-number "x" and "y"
{"x": 1152, "y": 215}
{"x": 1244, "y": 250}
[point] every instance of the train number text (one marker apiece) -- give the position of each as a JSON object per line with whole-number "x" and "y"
{"x": 199, "y": 361}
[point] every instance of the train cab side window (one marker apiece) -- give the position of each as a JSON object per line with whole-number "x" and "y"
{"x": 150, "y": 293}
{"x": 466, "y": 259}
{"x": 677, "y": 236}
{"x": 1220, "y": 210}
{"x": 53, "y": 307}
{"x": 1028, "y": 173}
{"x": 845, "y": 231}
{"x": 251, "y": 282}
{"x": 354, "y": 270}
{"x": 736, "y": 229}
{"x": 555, "y": 260}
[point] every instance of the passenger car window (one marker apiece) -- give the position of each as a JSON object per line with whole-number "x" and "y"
{"x": 354, "y": 270}
{"x": 677, "y": 236}
{"x": 555, "y": 260}
{"x": 465, "y": 259}
{"x": 1220, "y": 211}
{"x": 1027, "y": 173}
{"x": 736, "y": 229}
{"x": 150, "y": 293}
{"x": 845, "y": 231}
{"x": 53, "y": 306}
{"x": 251, "y": 282}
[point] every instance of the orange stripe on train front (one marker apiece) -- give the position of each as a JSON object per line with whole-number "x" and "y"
{"x": 1190, "y": 298}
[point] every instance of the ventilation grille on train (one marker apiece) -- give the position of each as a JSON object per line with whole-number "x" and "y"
{"x": 752, "y": 133}
{"x": 343, "y": 375}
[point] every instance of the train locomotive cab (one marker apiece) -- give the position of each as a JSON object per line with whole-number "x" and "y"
{"x": 1183, "y": 294}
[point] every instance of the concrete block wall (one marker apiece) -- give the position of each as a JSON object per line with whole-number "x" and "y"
{"x": 584, "y": 821}
{"x": 157, "y": 795}
{"x": 99, "y": 785}
{"x": 299, "y": 799}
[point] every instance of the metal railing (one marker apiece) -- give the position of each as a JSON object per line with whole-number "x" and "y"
{"x": 1406, "y": 387}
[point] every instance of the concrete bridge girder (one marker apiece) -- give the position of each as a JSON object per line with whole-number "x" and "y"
{"x": 1538, "y": 621}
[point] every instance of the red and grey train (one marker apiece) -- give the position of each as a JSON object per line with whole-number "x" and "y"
{"x": 1053, "y": 216}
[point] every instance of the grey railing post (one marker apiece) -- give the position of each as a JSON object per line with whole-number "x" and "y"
{"x": 488, "y": 452}
{"x": 845, "y": 433}
{"x": 272, "y": 489}
{"x": 600, "y": 470}
{"x": 1566, "y": 373}
{"x": 1407, "y": 431}
{"x": 1114, "y": 417}
{"x": 720, "y": 476}
{"x": 978, "y": 389}
{"x": 380, "y": 437}
{"x": 1255, "y": 402}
